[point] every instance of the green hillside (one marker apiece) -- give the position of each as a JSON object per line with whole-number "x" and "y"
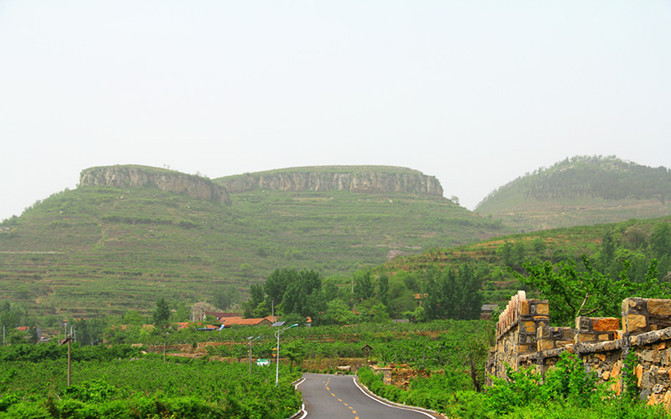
{"x": 97, "y": 250}
{"x": 613, "y": 248}
{"x": 581, "y": 191}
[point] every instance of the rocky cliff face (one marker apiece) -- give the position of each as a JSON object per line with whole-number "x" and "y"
{"x": 165, "y": 180}
{"x": 352, "y": 179}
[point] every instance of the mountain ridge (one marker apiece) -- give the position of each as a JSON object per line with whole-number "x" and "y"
{"x": 581, "y": 190}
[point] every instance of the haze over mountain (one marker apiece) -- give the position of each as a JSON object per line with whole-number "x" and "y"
{"x": 581, "y": 190}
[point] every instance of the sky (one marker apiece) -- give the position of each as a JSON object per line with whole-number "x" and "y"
{"x": 475, "y": 93}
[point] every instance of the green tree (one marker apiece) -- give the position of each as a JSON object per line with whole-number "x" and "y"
{"x": 363, "y": 286}
{"x": 337, "y": 312}
{"x": 572, "y": 293}
{"x": 453, "y": 293}
{"x": 276, "y": 284}
{"x": 506, "y": 252}
{"x": 89, "y": 331}
{"x": 295, "y": 351}
{"x": 379, "y": 314}
{"x": 161, "y": 313}
{"x": 225, "y": 297}
{"x": 607, "y": 249}
{"x": 303, "y": 296}
{"x": 383, "y": 289}
{"x": 660, "y": 240}
{"x": 256, "y": 297}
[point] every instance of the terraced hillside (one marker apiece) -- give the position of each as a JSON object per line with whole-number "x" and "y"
{"x": 110, "y": 247}
{"x": 581, "y": 191}
{"x": 630, "y": 247}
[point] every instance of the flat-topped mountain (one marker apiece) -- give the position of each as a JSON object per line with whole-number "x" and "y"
{"x": 130, "y": 234}
{"x": 363, "y": 179}
{"x": 128, "y": 176}
{"x": 581, "y": 191}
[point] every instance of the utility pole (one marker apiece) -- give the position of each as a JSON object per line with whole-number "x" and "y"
{"x": 249, "y": 341}
{"x": 69, "y": 358}
{"x": 277, "y": 361}
{"x": 68, "y": 340}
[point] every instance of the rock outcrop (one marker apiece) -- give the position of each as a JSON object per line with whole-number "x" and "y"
{"x": 166, "y": 180}
{"x": 364, "y": 179}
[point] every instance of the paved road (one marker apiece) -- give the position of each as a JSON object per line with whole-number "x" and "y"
{"x": 338, "y": 396}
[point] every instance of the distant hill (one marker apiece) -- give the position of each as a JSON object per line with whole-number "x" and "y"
{"x": 581, "y": 191}
{"x": 130, "y": 234}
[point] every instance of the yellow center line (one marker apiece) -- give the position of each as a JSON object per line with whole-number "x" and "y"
{"x": 340, "y": 400}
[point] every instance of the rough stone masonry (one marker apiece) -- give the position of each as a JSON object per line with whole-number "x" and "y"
{"x": 524, "y": 338}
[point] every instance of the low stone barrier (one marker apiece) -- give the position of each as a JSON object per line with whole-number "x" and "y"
{"x": 525, "y": 339}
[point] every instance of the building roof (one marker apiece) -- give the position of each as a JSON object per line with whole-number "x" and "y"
{"x": 221, "y": 314}
{"x": 230, "y": 321}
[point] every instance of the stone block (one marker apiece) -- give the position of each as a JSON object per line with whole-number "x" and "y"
{"x": 583, "y": 324}
{"x": 633, "y": 305}
{"x": 529, "y": 327}
{"x": 543, "y": 309}
{"x": 545, "y": 344}
{"x": 567, "y": 333}
{"x": 615, "y": 372}
{"x": 667, "y": 400}
{"x": 638, "y": 371}
{"x": 634, "y": 323}
{"x": 600, "y": 356}
{"x": 524, "y": 308}
{"x": 604, "y": 336}
{"x": 660, "y": 308}
{"x": 605, "y": 376}
{"x": 586, "y": 337}
{"x": 605, "y": 324}
{"x": 523, "y": 349}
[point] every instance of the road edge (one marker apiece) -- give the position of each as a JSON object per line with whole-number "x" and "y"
{"x": 365, "y": 389}
{"x": 301, "y": 413}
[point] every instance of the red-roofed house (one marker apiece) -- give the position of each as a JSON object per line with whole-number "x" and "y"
{"x": 263, "y": 321}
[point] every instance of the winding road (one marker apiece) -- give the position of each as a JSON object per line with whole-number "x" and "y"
{"x": 339, "y": 396}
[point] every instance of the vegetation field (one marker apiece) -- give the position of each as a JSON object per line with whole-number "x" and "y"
{"x": 33, "y": 384}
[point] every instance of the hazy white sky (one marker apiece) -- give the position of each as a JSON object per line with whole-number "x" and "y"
{"x": 474, "y": 93}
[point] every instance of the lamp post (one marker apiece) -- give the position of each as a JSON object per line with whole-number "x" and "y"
{"x": 277, "y": 362}
{"x": 249, "y": 341}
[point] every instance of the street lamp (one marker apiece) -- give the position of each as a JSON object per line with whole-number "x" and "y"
{"x": 249, "y": 341}
{"x": 277, "y": 362}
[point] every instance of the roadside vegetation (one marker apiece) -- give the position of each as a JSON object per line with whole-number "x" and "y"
{"x": 120, "y": 381}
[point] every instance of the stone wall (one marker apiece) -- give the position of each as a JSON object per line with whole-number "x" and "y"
{"x": 516, "y": 332}
{"x": 598, "y": 341}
